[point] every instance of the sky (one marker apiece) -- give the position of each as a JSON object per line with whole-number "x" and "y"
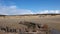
{"x": 18, "y": 7}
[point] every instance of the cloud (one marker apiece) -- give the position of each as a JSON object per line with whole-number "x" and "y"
{"x": 7, "y": 2}
{"x": 49, "y": 12}
{"x": 9, "y": 8}
{"x": 13, "y": 10}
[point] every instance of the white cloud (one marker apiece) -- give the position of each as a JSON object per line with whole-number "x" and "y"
{"x": 49, "y": 12}
{"x": 13, "y": 10}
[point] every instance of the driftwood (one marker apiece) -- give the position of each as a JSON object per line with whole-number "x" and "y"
{"x": 34, "y": 26}
{"x": 7, "y": 29}
{"x": 31, "y": 27}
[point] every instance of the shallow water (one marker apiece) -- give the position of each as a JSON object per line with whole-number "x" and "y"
{"x": 54, "y": 31}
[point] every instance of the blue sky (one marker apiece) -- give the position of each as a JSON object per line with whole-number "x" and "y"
{"x": 11, "y": 7}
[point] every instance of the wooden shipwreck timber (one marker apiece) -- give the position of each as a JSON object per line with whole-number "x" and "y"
{"x": 31, "y": 28}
